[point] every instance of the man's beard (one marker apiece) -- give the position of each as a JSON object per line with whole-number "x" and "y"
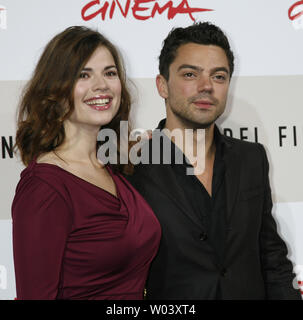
{"x": 191, "y": 123}
{"x": 188, "y": 117}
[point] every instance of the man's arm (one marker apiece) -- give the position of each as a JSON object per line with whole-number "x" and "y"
{"x": 277, "y": 268}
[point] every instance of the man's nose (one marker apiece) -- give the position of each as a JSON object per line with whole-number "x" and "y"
{"x": 205, "y": 83}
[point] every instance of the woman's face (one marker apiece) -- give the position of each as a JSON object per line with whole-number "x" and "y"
{"x": 97, "y": 92}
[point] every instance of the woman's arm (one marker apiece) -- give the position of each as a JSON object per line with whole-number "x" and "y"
{"x": 41, "y": 224}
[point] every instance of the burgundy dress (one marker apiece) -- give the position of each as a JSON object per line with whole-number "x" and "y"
{"x": 74, "y": 240}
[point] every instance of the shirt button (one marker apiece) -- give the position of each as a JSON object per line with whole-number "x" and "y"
{"x": 203, "y": 236}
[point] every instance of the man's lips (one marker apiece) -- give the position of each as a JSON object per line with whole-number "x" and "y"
{"x": 203, "y": 104}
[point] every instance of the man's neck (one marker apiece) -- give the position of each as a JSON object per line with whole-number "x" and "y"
{"x": 202, "y": 159}
{"x": 196, "y": 138}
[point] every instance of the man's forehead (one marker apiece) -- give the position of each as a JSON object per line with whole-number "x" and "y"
{"x": 198, "y": 54}
{"x": 196, "y": 48}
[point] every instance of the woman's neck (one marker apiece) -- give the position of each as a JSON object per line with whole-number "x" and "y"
{"x": 79, "y": 143}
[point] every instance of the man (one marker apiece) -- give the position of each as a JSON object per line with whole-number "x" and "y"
{"x": 219, "y": 239}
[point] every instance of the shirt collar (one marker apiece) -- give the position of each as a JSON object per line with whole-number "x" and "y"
{"x": 218, "y": 138}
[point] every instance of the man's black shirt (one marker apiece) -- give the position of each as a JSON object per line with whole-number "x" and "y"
{"x": 209, "y": 209}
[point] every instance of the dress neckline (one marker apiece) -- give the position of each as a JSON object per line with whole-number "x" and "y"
{"x": 118, "y": 197}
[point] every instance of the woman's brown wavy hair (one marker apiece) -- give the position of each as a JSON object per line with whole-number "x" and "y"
{"x": 41, "y": 113}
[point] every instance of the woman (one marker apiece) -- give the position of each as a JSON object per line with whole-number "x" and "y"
{"x": 80, "y": 231}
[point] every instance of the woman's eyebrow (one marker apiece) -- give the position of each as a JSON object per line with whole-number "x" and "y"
{"x": 110, "y": 67}
{"x": 106, "y": 68}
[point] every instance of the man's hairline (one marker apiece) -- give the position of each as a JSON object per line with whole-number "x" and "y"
{"x": 189, "y": 42}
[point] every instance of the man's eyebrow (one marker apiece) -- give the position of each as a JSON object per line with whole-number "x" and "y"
{"x": 224, "y": 69}
{"x": 196, "y": 68}
{"x": 189, "y": 66}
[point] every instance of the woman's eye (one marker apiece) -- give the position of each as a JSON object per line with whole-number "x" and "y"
{"x": 83, "y": 75}
{"x": 112, "y": 73}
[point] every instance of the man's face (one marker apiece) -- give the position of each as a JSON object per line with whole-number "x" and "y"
{"x": 197, "y": 88}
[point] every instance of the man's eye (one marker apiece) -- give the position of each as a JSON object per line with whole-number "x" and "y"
{"x": 189, "y": 75}
{"x": 220, "y": 77}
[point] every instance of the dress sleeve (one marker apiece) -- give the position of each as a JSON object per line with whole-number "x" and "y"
{"x": 41, "y": 224}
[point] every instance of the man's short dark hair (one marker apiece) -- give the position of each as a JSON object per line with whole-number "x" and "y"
{"x": 204, "y": 33}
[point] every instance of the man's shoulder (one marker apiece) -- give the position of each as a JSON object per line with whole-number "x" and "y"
{"x": 242, "y": 146}
{"x": 250, "y": 156}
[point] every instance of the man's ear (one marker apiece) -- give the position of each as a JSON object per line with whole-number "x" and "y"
{"x": 162, "y": 86}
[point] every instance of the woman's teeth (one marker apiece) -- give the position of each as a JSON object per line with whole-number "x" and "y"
{"x": 98, "y": 102}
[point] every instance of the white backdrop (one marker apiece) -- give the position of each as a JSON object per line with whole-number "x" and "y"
{"x": 265, "y": 102}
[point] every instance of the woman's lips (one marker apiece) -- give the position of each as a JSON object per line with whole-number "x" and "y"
{"x": 100, "y": 107}
{"x": 99, "y": 103}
